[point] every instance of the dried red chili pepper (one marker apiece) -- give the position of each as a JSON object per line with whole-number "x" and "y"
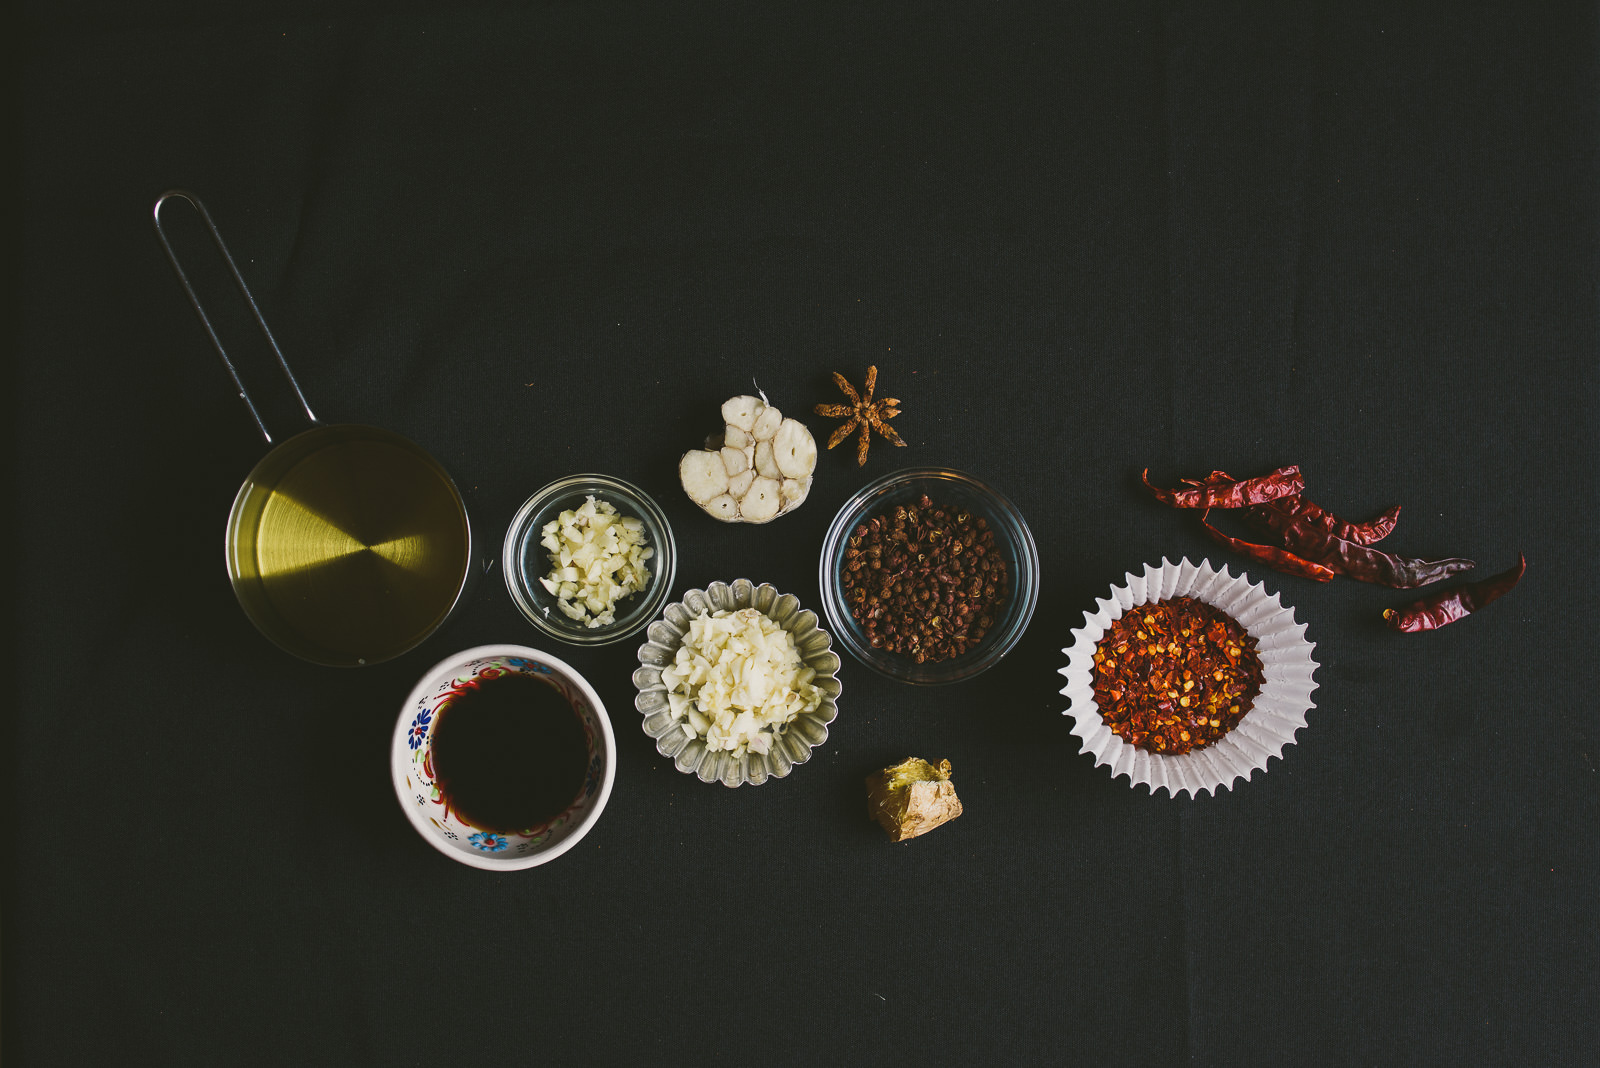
{"x": 1175, "y": 675}
{"x": 1277, "y": 559}
{"x": 1294, "y": 509}
{"x": 1363, "y": 562}
{"x": 1300, "y": 510}
{"x": 1220, "y": 491}
{"x": 1312, "y": 542}
{"x": 1447, "y": 606}
{"x": 1292, "y": 506}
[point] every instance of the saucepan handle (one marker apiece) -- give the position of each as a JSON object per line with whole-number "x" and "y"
{"x": 244, "y": 291}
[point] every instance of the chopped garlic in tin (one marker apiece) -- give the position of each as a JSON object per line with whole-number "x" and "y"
{"x": 737, "y": 680}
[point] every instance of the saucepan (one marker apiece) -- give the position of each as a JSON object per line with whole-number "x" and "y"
{"x": 347, "y": 544}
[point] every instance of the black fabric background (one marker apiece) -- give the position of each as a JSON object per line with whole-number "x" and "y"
{"x": 1078, "y": 240}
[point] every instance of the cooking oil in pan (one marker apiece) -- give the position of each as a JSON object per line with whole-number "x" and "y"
{"x": 348, "y": 545}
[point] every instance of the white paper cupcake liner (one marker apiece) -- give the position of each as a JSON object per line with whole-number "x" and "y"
{"x": 1270, "y": 725}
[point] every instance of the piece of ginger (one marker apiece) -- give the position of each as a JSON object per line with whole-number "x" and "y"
{"x": 912, "y": 798}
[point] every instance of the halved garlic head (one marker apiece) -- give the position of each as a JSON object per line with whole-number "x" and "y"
{"x": 758, "y": 468}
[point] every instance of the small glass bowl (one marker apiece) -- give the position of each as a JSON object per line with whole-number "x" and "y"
{"x": 525, "y": 561}
{"x": 945, "y": 487}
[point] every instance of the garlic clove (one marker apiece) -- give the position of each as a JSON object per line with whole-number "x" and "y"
{"x": 734, "y": 438}
{"x": 794, "y": 449}
{"x": 734, "y": 461}
{"x": 724, "y": 508}
{"x": 766, "y": 424}
{"x": 792, "y": 491}
{"x": 739, "y": 484}
{"x": 703, "y": 475}
{"x": 766, "y": 461}
{"x": 761, "y": 501}
{"x": 742, "y": 412}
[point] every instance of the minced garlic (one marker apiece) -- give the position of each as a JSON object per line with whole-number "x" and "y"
{"x": 737, "y": 680}
{"x": 597, "y": 558}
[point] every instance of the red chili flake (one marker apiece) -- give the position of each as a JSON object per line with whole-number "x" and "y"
{"x": 1175, "y": 675}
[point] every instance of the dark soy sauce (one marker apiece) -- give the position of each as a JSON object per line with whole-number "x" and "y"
{"x": 509, "y": 754}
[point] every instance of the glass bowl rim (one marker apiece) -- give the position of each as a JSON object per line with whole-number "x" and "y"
{"x": 1001, "y": 510}
{"x": 629, "y": 497}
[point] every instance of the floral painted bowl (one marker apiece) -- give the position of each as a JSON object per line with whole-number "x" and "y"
{"x": 417, "y": 787}
{"x": 1278, "y": 712}
{"x": 792, "y": 743}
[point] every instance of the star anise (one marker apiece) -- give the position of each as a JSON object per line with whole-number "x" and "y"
{"x": 862, "y": 414}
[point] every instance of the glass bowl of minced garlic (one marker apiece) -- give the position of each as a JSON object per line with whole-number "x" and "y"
{"x": 589, "y": 559}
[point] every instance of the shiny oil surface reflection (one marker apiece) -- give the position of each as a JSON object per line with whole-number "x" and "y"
{"x": 348, "y": 545}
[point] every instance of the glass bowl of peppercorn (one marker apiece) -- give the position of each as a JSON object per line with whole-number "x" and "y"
{"x": 929, "y": 576}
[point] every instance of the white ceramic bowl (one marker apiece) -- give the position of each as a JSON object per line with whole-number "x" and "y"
{"x": 1279, "y": 710}
{"x": 792, "y": 743}
{"x": 419, "y": 794}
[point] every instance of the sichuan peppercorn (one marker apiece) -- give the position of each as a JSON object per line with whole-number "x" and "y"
{"x": 925, "y": 581}
{"x": 1175, "y": 675}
